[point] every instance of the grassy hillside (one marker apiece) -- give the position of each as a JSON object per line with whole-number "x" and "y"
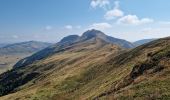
{"x": 62, "y": 72}
{"x": 148, "y": 77}
{"x": 93, "y": 69}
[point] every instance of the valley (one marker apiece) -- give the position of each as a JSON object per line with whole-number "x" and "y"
{"x": 8, "y": 61}
{"x": 12, "y": 53}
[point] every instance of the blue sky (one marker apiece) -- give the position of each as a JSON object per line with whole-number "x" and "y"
{"x": 51, "y": 20}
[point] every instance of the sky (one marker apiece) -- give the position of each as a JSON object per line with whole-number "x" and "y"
{"x": 51, "y": 20}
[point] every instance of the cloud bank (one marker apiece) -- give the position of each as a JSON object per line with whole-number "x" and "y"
{"x": 134, "y": 20}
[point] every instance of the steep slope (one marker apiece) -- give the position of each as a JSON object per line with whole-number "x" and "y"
{"x": 66, "y": 42}
{"x": 148, "y": 77}
{"x": 141, "y": 42}
{"x": 23, "y": 48}
{"x": 58, "y": 47}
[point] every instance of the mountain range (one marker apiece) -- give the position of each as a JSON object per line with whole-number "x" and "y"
{"x": 23, "y": 47}
{"x": 143, "y": 41}
{"x": 68, "y": 42}
{"x": 93, "y": 66}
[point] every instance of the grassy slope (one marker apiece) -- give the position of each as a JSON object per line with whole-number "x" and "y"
{"x": 149, "y": 77}
{"x": 65, "y": 72}
{"x": 90, "y": 71}
{"x": 152, "y": 81}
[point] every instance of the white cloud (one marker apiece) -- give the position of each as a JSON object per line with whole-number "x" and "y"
{"x": 99, "y": 3}
{"x": 48, "y": 27}
{"x": 115, "y": 12}
{"x": 111, "y": 14}
{"x": 134, "y": 20}
{"x": 70, "y": 27}
{"x": 100, "y": 26}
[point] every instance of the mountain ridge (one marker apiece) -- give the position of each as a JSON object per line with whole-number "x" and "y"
{"x": 71, "y": 40}
{"x": 83, "y": 51}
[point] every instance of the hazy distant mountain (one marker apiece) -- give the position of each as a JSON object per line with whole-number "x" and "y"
{"x": 11, "y": 53}
{"x": 23, "y": 47}
{"x": 3, "y": 44}
{"x": 143, "y": 41}
{"x": 68, "y": 41}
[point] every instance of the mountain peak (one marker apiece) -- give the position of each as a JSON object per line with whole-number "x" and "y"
{"x": 69, "y": 38}
{"x": 93, "y": 33}
{"x": 98, "y": 34}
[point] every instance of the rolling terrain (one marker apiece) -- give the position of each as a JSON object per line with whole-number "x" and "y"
{"x": 91, "y": 67}
{"x": 12, "y": 53}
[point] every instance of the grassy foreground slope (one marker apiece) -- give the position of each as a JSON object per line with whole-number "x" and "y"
{"x": 149, "y": 75}
{"x": 93, "y": 69}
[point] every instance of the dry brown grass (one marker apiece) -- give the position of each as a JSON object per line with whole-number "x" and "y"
{"x": 7, "y": 61}
{"x": 89, "y": 70}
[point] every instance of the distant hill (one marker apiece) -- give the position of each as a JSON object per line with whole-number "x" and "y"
{"x": 3, "y": 44}
{"x": 143, "y": 41}
{"x": 23, "y": 48}
{"x": 71, "y": 40}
